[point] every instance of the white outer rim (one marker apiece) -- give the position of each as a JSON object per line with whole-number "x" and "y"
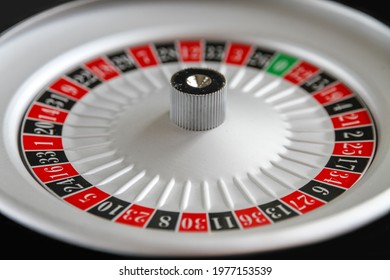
{"x": 289, "y": 236}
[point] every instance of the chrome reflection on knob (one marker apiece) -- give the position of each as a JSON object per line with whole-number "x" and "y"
{"x": 198, "y": 99}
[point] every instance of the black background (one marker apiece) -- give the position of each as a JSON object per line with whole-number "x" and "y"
{"x": 370, "y": 242}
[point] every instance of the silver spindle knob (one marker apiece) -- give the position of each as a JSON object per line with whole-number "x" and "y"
{"x": 198, "y": 99}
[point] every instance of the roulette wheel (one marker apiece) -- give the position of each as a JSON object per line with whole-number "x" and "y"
{"x": 194, "y": 128}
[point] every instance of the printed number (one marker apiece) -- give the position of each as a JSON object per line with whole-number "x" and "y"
{"x": 37, "y": 143}
{"x": 335, "y": 174}
{"x": 214, "y": 52}
{"x": 331, "y": 94}
{"x": 275, "y": 214}
{"x": 136, "y": 216}
{"x": 44, "y": 128}
{"x": 84, "y": 78}
{"x": 320, "y": 190}
{"x": 356, "y": 149}
{"x": 103, "y": 70}
{"x": 51, "y": 114}
{"x": 164, "y": 221}
{"x": 143, "y": 55}
{"x": 55, "y": 169}
{"x": 166, "y": 53}
{"x": 88, "y": 197}
{"x": 70, "y": 189}
{"x": 280, "y": 65}
{"x": 302, "y": 202}
{"x": 350, "y": 167}
{"x": 248, "y": 220}
{"x": 348, "y": 120}
{"x": 301, "y": 74}
{"x": 71, "y": 89}
{"x": 218, "y": 225}
{"x": 109, "y": 207}
{"x": 356, "y": 134}
{"x": 188, "y": 223}
{"x": 237, "y": 55}
{"x": 340, "y": 107}
{"x": 122, "y": 62}
{"x": 56, "y": 101}
{"x": 318, "y": 83}
{"x": 47, "y": 157}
